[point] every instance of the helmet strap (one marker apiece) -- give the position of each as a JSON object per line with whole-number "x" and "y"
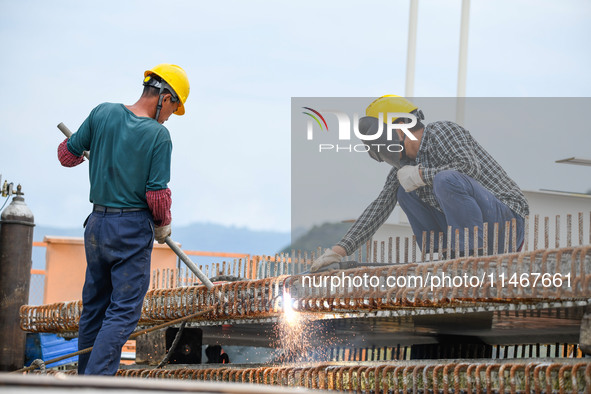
{"x": 159, "y": 105}
{"x": 162, "y": 85}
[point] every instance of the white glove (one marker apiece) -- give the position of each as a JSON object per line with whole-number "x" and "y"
{"x": 327, "y": 258}
{"x": 410, "y": 178}
{"x": 160, "y": 233}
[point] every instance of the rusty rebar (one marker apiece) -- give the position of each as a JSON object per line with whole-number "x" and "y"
{"x": 263, "y": 298}
{"x": 536, "y": 230}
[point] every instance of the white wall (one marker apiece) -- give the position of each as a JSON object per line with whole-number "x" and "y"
{"x": 551, "y": 204}
{"x": 542, "y": 203}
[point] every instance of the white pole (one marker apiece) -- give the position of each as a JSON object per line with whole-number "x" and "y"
{"x": 464, "y": 27}
{"x": 463, "y": 62}
{"x": 412, "y": 48}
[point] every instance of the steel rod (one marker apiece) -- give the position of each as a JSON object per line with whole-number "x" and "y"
{"x": 132, "y": 336}
{"x": 68, "y": 133}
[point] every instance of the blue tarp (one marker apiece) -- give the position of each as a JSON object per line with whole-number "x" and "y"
{"x": 49, "y": 346}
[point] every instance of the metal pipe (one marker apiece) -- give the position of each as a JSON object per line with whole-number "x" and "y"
{"x": 66, "y": 131}
{"x": 179, "y": 252}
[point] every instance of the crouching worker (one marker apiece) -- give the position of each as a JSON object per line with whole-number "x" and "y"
{"x": 442, "y": 177}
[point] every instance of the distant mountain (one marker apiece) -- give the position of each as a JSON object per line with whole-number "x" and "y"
{"x": 39, "y": 232}
{"x": 219, "y": 238}
{"x": 203, "y": 236}
{"x": 325, "y": 236}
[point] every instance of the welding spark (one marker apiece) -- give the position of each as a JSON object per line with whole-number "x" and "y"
{"x": 292, "y": 331}
{"x": 289, "y": 314}
{"x": 295, "y": 333}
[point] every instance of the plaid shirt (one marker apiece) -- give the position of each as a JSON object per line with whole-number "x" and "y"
{"x": 444, "y": 146}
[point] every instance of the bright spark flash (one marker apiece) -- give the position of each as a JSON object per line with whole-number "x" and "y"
{"x": 290, "y": 316}
{"x": 295, "y": 331}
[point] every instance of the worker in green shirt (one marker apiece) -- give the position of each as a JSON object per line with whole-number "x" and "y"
{"x": 129, "y": 174}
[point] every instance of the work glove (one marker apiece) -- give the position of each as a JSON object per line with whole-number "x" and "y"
{"x": 327, "y": 258}
{"x": 410, "y": 178}
{"x": 160, "y": 233}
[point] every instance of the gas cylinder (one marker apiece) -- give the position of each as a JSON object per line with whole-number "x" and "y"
{"x": 16, "y": 248}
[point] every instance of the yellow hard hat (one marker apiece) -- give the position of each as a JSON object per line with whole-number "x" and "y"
{"x": 176, "y": 77}
{"x": 389, "y": 103}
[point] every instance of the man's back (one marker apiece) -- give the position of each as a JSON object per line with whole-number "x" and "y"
{"x": 130, "y": 155}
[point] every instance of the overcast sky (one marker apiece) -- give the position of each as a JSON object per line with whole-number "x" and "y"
{"x": 245, "y": 60}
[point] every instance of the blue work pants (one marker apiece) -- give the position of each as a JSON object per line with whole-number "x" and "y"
{"x": 118, "y": 251}
{"x": 465, "y": 204}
